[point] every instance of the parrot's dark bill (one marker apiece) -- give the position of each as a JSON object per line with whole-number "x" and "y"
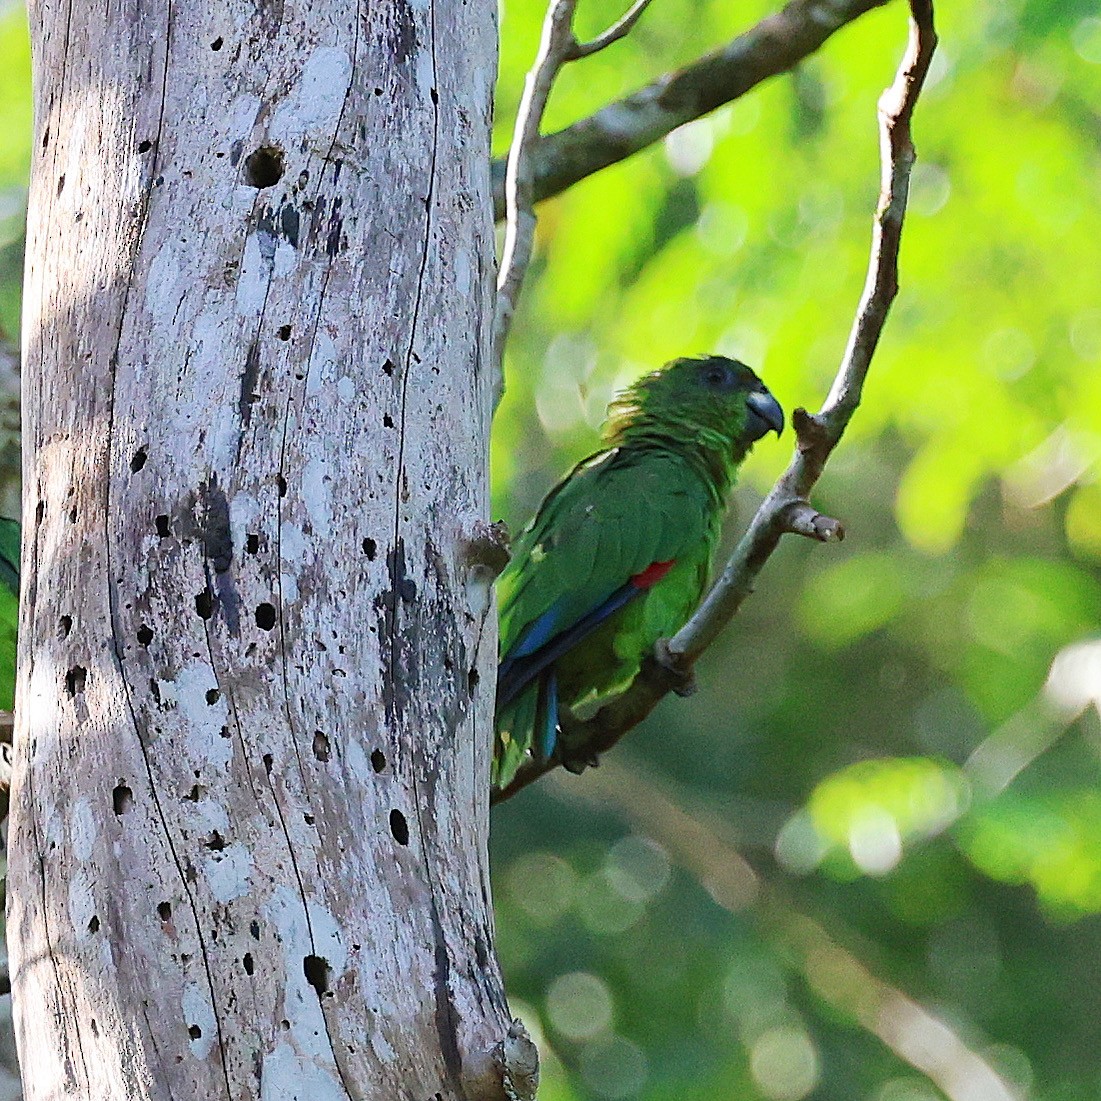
{"x": 619, "y": 553}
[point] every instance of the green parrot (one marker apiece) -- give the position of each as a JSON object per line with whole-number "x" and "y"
{"x": 9, "y": 609}
{"x": 620, "y": 550}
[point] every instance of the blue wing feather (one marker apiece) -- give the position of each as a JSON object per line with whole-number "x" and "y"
{"x": 515, "y": 673}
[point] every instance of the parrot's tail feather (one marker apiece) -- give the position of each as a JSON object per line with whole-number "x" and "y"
{"x": 547, "y": 717}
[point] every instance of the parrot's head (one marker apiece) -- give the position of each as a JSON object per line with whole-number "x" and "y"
{"x": 711, "y": 400}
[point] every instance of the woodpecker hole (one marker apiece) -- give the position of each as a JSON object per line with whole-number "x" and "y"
{"x": 75, "y": 680}
{"x": 265, "y": 616}
{"x": 370, "y": 548}
{"x": 399, "y": 827}
{"x": 138, "y": 461}
{"x": 264, "y": 167}
{"x": 121, "y": 799}
{"x": 316, "y": 969}
{"x": 321, "y": 749}
{"x": 378, "y": 760}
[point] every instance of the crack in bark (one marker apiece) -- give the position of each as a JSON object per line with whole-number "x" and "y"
{"x": 284, "y": 671}
{"x": 50, "y": 953}
{"x": 112, "y": 587}
{"x": 446, "y": 1023}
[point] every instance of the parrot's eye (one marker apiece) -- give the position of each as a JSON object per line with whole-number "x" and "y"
{"x": 717, "y": 376}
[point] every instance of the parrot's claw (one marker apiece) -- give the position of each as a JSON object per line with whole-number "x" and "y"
{"x": 689, "y": 686}
{"x": 682, "y": 681}
{"x": 577, "y": 763}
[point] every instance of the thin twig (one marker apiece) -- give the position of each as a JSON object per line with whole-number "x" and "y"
{"x": 613, "y": 34}
{"x": 786, "y": 508}
{"x": 554, "y": 51}
{"x": 837, "y": 975}
{"x": 557, "y": 47}
{"x": 775, "y": 45}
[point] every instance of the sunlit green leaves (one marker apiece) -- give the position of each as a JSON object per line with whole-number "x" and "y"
{"x": 1050, "y": 841}
{"x": 861, "y": 818}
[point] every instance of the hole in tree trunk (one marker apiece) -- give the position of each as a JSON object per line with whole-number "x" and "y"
{"x": 399, "y": 827}
{"x": 75, "y": 680}
{"x": 316, "y": 969}
{"x": 264, "y": 167}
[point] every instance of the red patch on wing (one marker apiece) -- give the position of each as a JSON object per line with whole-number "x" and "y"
{"x": 652, "y": 574}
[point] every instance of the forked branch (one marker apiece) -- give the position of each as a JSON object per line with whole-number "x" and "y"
{"x": 775, "y": 45}
{"x": 557, "y": 47}
{"x": 787, "y": 507}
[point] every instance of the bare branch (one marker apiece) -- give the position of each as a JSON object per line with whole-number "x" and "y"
{"x": 613, "y": 34}
{"x": 557, "y": 47}
{"x": 554, "y": 51}
{"x": 618, "y": 131}
{"x": 786, "y": 508}
{"x": 917, "y": 1036}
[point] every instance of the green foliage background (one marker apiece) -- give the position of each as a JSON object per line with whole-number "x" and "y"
{"x": 857, "y": 728}
{"x": 900, "y": 733}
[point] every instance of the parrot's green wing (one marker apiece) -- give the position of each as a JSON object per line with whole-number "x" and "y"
{"x": 586, "y": 554}
{"x": 607, "y": 522}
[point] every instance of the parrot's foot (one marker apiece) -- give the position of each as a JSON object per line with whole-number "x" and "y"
{"x": 577, "y": 762}
{"x": 682, "y": 681}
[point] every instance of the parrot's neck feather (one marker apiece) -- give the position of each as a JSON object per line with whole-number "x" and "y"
{"x": 709, "y": 454}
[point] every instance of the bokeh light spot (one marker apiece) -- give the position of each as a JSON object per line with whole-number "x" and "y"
{"x": 1009, "y": 353}
{"x": 579, "y": 1005}
{"x": 1086, "y": 38}
{"x": 689, "y": 147}
{"x": 542, "y": 885}
{"x": 930, "y": 189}
{"x": 784, "y": 1063}
{"x": 604, "y": 908}
{"x": 637, "y": 868}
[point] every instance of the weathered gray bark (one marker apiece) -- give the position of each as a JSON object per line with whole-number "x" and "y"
{"x": 250, "y": 810}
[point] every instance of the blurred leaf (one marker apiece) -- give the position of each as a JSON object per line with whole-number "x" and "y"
{"x": 1051, "y": 841}
{"x": 865, "y": 814}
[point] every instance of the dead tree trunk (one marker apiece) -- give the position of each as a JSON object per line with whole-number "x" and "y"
{"x": 249, "y": 818}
